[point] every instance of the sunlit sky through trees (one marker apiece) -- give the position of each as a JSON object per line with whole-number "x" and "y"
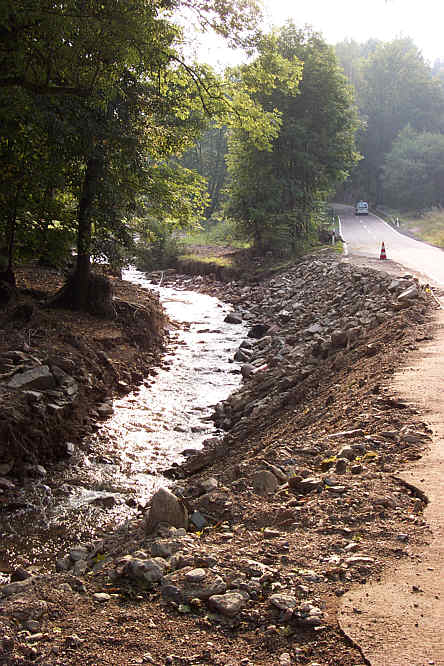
{"x": 422, "y": 20}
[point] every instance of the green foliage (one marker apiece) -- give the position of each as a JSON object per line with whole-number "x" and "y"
{"x": 224, "y": 232}
{"x": 395, "y": 88}
{"x": 274, "y": 189}
{"x": 414, "y": 170}
{"x": 428, "y": 226}
{"x": 159, "y": 248}
{"x": 173, "y": 198}
{"x": 207, "y": 157}
{"x": 98, "y": 103}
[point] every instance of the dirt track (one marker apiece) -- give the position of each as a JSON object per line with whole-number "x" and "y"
{"x": 400, "y": 620}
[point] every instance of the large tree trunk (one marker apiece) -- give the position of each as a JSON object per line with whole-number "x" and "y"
{"x": 80, "y": 279}
{"x": 84, "y": 291}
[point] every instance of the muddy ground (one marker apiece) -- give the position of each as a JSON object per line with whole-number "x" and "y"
{"x": 303, "y": 542}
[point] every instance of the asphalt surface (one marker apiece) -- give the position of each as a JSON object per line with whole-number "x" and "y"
{"x": 364, "y": 235}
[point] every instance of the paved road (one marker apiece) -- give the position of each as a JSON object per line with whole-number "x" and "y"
{"x": 364, "y": 235}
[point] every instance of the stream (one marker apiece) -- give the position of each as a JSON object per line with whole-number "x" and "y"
{"x": 118, "y": 468}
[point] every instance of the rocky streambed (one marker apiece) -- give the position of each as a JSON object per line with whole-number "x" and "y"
{"x": 296, "y": 499}
{"x": 118, "y": 466}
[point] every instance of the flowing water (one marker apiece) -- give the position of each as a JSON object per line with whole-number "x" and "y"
{"x": 120, "y": 466}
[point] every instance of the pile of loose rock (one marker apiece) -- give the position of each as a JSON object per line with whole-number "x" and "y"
{"x": 314, "y": 313}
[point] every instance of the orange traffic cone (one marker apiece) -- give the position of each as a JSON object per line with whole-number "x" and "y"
{"x": 383, "y": 254}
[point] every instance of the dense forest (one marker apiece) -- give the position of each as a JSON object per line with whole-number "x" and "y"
{"x": 113, "y": 136}
{"x": 110, "y": 129}
{"x": 401, "y": 137}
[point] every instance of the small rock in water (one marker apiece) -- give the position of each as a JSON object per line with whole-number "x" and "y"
{"x": 233, "y": 318}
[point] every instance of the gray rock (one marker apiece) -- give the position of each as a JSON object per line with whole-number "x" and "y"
{"x": 101, "y": 597}
{"x": 279, "y": 474}
{"x": 305, "y": 486}
{"x": 79, "y": 553}
{"x": 346, "y": 452}
{"x": 264, "y": 482}
{"x": 151, "y": 570}
{"x": 166, "y": 508}
{"x": 359, "y": 559}
{"x": 39, "y": 378}
{"x": 339, "y": 338}
{"x": 105, "y": 409}
{"x": 15, "y": 588}
{"x": 411, "y": 293}
{"x": 64, "y": 563}
{"x": 168, "y": 547}
{"x": 283, "y": 601}
{"x": 80, "y": 567}
{"x": 233, "y": 318}
{"x": 336, "y": 490}
{"x": 242, "y": 356}
{"x": 195, "y": 583}
{"x": 229, "y": 604}
{"x": 198, "y": 520}
{"x": 247, "y": 370}
{"x": 180, "y": 560}
{"x": 341, "y": 465}
{"x": 208, "y": 485}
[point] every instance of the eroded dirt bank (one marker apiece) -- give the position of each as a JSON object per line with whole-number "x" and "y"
{"x": 275, "y": 521}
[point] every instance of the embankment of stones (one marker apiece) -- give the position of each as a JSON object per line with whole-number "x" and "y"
{"x": 307, "y": 324}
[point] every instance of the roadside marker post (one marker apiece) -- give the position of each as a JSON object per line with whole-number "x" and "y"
{"x": 383, "y": 254}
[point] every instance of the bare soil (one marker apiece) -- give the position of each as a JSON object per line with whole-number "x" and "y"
{"x": 380, "y": 517}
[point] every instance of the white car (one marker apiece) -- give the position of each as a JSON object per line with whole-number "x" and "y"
{"x": 361, "y": 208}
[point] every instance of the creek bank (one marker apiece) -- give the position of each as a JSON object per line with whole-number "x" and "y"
{"x": 60, "y": 370}
{"x": 296, "y": 503}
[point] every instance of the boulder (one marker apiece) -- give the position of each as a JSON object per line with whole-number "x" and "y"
{"x": 233, "y": 318}
{"x": 258, "y": 331}
{"x": 283, "y": 601}
{"x": 411, "y": 293}
{"x": 229, "y": 604}
{"x": 40, "y": 378}
{"x": 265, "y": 482}
{"x": 305, "y": 486}
{"x": 151, "y": 570}
{"x": 166, "y": 508}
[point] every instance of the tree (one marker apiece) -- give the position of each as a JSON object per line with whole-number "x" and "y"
{"x": 275, "y": 191}
{"x": 414, "y": 170}
{"x": 397, "y": 88}
{"x": 125, "y": 99}
{"x": 207, "y": 157}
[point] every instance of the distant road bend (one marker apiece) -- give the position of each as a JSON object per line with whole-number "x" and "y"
{"x": 364, "y": 235}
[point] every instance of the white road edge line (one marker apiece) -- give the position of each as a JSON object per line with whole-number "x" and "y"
{"x": 345, "y": 248}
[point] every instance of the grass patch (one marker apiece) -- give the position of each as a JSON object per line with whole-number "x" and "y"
{"x": 225, "y": 260}
{"x": 219, "y": 234}
{"x": 428, "y": 226}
